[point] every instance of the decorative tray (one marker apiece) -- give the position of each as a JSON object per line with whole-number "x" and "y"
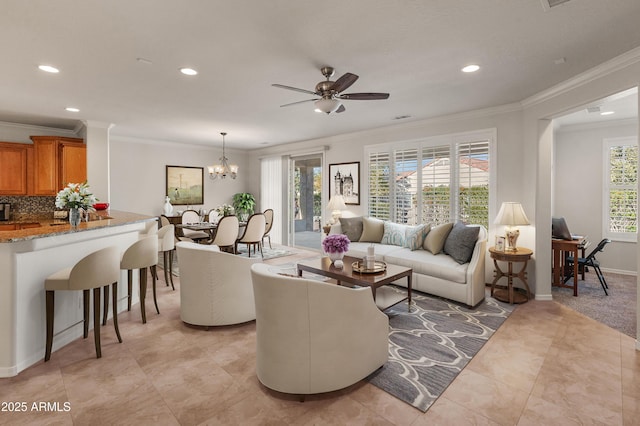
{"x": 378, "y": 267}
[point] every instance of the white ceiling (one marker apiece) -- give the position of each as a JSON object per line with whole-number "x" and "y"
{"x": 412, "y": 49}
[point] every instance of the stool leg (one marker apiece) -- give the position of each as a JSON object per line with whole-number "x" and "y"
{"x": 154, "y": 271}
{"x": 105, "y": 310}
{"x": 96, "y": 321}
{"x": 49, "y": 310}
{"x": 165, "y": 258}
{"x": 143, "y": 292}
{"x": 171, "y": 268}
{"x": 115, "y": 310}
{"x": 129, "y": 287}
{"x": 85, "y": 315}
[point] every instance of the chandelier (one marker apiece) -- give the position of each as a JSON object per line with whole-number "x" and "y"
{"x": 223, "y": 169}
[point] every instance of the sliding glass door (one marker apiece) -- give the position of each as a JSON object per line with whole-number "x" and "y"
{"x": 305, "y": 211}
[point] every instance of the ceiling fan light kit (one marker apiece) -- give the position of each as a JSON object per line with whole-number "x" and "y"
{"x": 329, "y": 93}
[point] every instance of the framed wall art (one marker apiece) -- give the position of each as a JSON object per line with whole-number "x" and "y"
{"x": 344, "y": 179}
{"x": 499, "y": 243}
{"x": 185, "y": 185}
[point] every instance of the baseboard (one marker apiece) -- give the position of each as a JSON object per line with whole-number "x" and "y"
{"x": 620, "y": 271}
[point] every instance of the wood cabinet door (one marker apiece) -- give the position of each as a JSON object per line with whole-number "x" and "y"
{"x": 8, "y": 227}
{"x": 45, "y": 173}
{"x": 73, "y": 163}
{"x": 13, "y": 169}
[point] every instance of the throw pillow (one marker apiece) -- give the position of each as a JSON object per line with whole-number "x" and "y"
{"x": 372, "y": 230}
{"x": 351, "y": 227}
{"x": 414, "y": 236}
{"x": 461, "y": 241}
{"x": 434, "y": 242}
{"x": 394, "y": 234}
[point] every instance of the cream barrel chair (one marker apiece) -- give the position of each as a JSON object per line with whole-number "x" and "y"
{"x": 215, "y": 287}
{"x": 315, "y": 337}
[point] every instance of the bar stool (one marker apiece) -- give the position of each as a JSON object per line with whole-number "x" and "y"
{"x": 94, "y": 271}
{"x": 167, "y": 245}
{"x": 141, "y": 255}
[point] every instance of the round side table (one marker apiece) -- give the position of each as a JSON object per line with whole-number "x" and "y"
{"x": 508, "y": 294}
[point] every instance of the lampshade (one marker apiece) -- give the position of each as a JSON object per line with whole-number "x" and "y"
{"x": 336, "y": 203}
{"x": 511, "y": 214}
{"x": 327, "y": 105}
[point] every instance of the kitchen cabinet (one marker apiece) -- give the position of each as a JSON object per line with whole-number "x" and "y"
{"x": 14, "y": 159}
{"x": 57, "y": 161}
{"x": 18, "y": 226}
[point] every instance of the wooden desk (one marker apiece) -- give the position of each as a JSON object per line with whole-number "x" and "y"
{"x": 507, "y": 294}
{"x": 562, "y": 248}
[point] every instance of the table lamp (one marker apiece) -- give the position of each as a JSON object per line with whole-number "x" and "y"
{"x": 512, "y": 215}
{"x": 336, "y": 205}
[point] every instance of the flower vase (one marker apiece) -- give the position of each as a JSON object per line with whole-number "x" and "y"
{"x": 336, "y": 256}
{"x": 74, "y": 217}
{"x": 168, "y": 208}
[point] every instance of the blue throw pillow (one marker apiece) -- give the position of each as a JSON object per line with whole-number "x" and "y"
{"x": 394, "y": 234}
{"x": 414, "y": 236}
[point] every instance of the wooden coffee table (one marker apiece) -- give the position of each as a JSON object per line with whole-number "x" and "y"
{"x": 383, "y": 298}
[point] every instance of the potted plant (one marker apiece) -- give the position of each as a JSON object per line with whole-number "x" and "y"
{"x": 244, "y": 204}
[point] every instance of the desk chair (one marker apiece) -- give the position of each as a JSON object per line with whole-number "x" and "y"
{"x": 590, "y": 260}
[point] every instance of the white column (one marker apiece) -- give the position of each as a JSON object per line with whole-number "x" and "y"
{"x": 98, "y": 162}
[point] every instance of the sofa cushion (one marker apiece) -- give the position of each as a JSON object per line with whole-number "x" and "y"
{"x": 394, "y": 234}
{"x": 414, "y": 236}
{"x": 424, "y": 263}
{"x": 372, "y": 230}
{"x": 461, "y": 242}
{"x": 359, "y": 250}
{"x": 435, "y": 239}
{"x": 351, "y": 227}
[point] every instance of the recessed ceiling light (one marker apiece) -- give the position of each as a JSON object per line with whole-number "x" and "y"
{"x": 48, "y": 68}
{"x": 471, "y": 68}
{"x": 607, "y": 112}
{"x": 72, "y": 109}
{"x": 188, "y": 71}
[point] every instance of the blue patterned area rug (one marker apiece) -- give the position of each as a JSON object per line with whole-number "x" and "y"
{"x": 429, "y": 346}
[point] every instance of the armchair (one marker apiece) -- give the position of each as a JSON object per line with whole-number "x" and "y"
{"x": 215, "y": 287}
{"x": 315, "y": 337}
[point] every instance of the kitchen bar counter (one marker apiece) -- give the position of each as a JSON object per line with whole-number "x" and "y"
{"x": 28, "y": 256}
{"x": 50, "y": 227}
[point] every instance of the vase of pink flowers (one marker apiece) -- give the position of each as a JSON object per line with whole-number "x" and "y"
{"x": 336, "y": 245}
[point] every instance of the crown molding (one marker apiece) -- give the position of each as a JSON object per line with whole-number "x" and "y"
{"x": 596, "y": 125}
{"x": 619, "y": 62}
{"x": 46, "y": 129}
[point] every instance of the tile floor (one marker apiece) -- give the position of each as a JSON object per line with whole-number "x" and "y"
{"x": 546, "y": 365}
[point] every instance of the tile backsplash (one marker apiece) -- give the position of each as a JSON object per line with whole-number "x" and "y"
{"x": 30, "y": 207}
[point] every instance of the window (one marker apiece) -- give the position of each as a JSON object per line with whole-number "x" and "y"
{"x": 412, "y": 182}
{"x": 620, "y": 189}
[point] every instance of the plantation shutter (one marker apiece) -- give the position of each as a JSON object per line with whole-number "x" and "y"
{"x": 622, "y": 192}
{"x": 379, "y": 185}
{"x": 473, "y": 182}
{"x": 436, "y": 176}
{"x": 406, "y": 185}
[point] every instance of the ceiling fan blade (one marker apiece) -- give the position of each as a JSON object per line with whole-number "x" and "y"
{"x": 364, "y": 96}
{"x": 341, "y": 108}
{"x": 282, "y": 86}
{"x": 344, "y": 82}
{"x": 299, "y": 102}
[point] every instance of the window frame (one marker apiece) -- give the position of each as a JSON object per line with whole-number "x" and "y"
{"x": 607, "y": 144}
{"x": 450, "y": 140}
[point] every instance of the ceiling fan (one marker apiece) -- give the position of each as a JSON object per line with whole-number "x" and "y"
{"x": 329, "y": 93}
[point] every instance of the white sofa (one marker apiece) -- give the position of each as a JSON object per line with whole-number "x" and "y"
{"x": 315, "y": 337}
{"x": 439, "y": 274}
{"x": 215, "y": 287}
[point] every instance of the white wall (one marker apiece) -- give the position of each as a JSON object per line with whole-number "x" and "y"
{"x": 138, "y": 174}
{"x": 579, "y": 185}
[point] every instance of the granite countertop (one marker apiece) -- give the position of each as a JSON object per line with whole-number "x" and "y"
{"x": 50, "y": 226}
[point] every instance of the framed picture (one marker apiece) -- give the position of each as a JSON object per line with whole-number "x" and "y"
{"x": 185, "y": 185}
{"x": 344, "y": 179}
{"x": 499, "y": 243}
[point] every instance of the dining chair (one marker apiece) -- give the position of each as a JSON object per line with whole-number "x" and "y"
{"x": 253, "y": 233}
{"x": 227, "y": 233}
{"x": 214, "y": 216}
{"x": 268, "y": 217}
{"x": 95, "y": 271}
{"x": 192, "y": 216}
